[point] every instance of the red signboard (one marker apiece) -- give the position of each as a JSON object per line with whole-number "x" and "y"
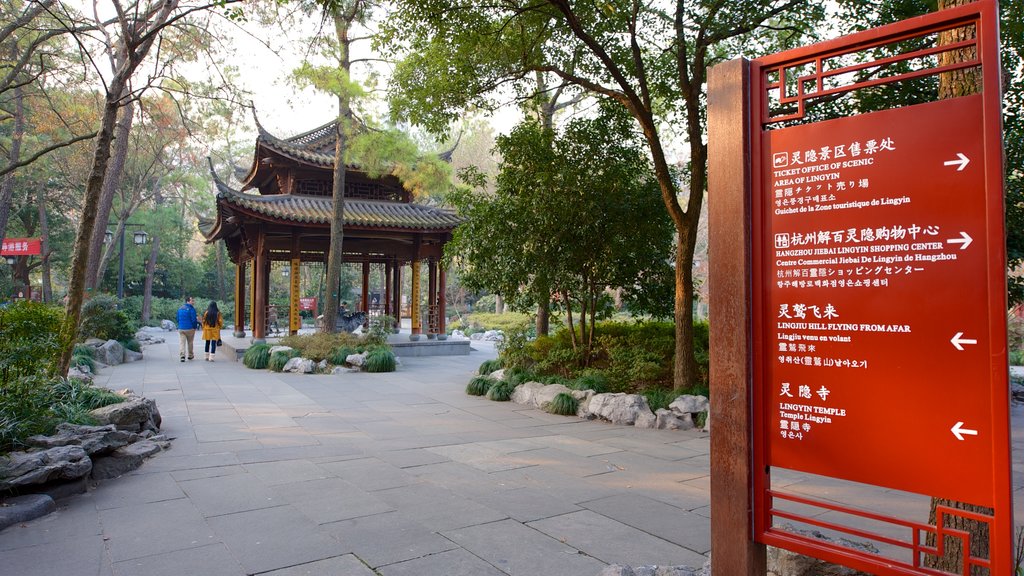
{"x": 879, "y": 291}
{"x": 876, "y": 246}
{"x": 307, "y": 303}
{"x": 21, "y": 247}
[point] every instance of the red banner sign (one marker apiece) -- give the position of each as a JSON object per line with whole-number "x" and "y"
{"x": 307, "y": 303}
{"x": 21, "y": 247}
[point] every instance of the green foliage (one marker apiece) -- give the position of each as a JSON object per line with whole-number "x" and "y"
{"x": 35, "y": 404}
{"x": 479, "y": 385}
{"x": 380, "y": 359}
{"x": 132, "y": 344}
{"x": 513, "y": 350}
{"x": 84, "y": 360}
{"x": 1017, "y": 357}
{"x": 102, "y": 319}
{"x": 338, "y": 355}
{"x": 489, "y": 366}
{"x": 563, "y": 404}
{"x": 280, "y": 358}
{"x": 84, "y": 394}
{"x": 517, "y": 376}
{"x": 591, "y": 379}
{"x": 506, "y": 322}
{"x": 500, "y": 391}
{"x": 659, "y": 398}
{"x": 257, "y": 356}
{"x": 380, "y": 328}
{"x": 319, "y": 345}
{"x": 84, "y": 350}
{"x": 29, "y": 343}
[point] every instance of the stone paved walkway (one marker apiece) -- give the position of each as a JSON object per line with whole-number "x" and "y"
{"x": 361, "y": 474}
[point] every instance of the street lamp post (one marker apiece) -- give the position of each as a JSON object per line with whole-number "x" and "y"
{"x": 138, "y": 238}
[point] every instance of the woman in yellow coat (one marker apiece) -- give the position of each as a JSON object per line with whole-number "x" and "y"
{"x": 212, "y": 323}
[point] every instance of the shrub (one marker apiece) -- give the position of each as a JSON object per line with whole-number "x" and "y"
{"x": 590, "y": 379}
{"x": 102, "y": 319}
{"x": 380, "y": 360}
{"x": 320, "y": 345}
{"x": 257, "y": 356}
{"x": 84, "y": 350}
{"x": 25, "y": 404}
{"x": 380, "y": 328}
{"x": 280, "y": 358}
{"x": 29, "y": 341}
{"x": 507, "y": 322}
{"x": 1017, "y": 357}
{"x": 658, "y": 398}
{"x": 519, "y": 376}
{"x": 84, "y": 394}
{"x": 83, "y": 360}
{"x": 563, "y": 404}
{"x": 132, "y": 344}
{"x": 514, "y": 349}
{"x": 338, "y": 355}
{"x": 479, "y": 385}
{"x": 489, "y": 366}
{"x": 500, "y": 391}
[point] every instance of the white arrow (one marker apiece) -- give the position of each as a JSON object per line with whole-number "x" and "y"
{"x": 959, "y": 431}
{"x": 957, "y": 341}
{"x": 962, "y": 160}
{"x": 964, "y": 239}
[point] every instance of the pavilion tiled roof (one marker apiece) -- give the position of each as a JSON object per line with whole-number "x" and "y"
{"x": 319, "y": 210}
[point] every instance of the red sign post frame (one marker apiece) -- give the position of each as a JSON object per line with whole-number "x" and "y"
{"x": 879, "y": 327}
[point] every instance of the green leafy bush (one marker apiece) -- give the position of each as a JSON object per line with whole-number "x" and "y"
{"x": 658, "y": 398}
{"x": 479, "y": 385}
{"x": 590, "y": 379}
{"x": 84, "y": 394}
{"x": 84, "y": 350}
{"x": 500, "y": 391}
{"x": 33, "y": 405}
{"x": 132, "y": 344}
{"x": 338, "y": 355}
{"x": 280, "y": 358}
{"x": 519, "y": 376}
{"x": 320, "y": 345}
{"x": 83, "y": 360}
{"x": 380, "y": 328}
{"x": 380, "y": 359}
{"x": 563, "y": 404}
{"x": 489, "y": 366}
{"x": 102, "y": 319}
{"x": 29, "y": 341}
{"x": 257, "y": 356}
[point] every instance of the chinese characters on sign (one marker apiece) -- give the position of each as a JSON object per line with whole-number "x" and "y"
{"x": 874, "y": 316}
{"x": 21, "y": 247}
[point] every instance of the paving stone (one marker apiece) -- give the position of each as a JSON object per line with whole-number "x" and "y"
{"x": 684, "y": 528}
{"x": 438, "y": 508}
{"x": 212, "y": 559}
{"x": 137, "y": 489}
{"x": 80, "y": 555}
{"x": 370, "y": 473}
{"x": 526, "y": 504}
{"x": 273, "y": 538}
{"x": 331, "y": 500}
{"x": 347, "y": 565}
{"x": 147, "y": 529}
{"x": 450, "y": 563}
{"x": 517, "y": 549}
{"x": 229, "y": 494}
{"x": 388, "y": 538}
{"x": 286, "y": 471}
{"x": 74, "y": 518}
{"x": 614, "y": 542}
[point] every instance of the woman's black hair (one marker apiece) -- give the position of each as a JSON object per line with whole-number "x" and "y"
{"x": 210, "y": 317}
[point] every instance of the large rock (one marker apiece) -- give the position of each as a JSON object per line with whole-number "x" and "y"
{"x": 132, "y": 356}
{"x": 526, "y": 393}
{"x": 669, "y": 420}
{"x": 168, "y": 325}
{"x": 110, "y": 353}
{"x": 123, "y": 459}
{"x": 24, "y": 508}
{"x": 356, "y": 359}
{"x": 134, "y": 415}
{"x": 55, "y": 464}
{"x": 94, "y": 440}
{"x": 498, "y": 374}
{"x": 546, "y": 395}
{"x": 619, "y": 408}
{"x": 279, "y": 348}
{"x": 80, "y": 373}
{"x": 302, "y": 366}
{"x": 646, "y": 420}
{"x": 687, "y": 404}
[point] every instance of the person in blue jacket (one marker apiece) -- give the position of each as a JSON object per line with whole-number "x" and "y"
{"x": 188, "y": 321}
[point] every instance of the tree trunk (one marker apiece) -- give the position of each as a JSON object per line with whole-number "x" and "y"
{"x": 335, "y": 253}
{"x": 7, "y": 187}
{"x": 100, "y": 257}
{"x": 951, "y": 85}
{"x": 44, "y": 235}
{"x": 499, "y": 304}
{"x": 79, "y": 262}
{"x": 147, "y": 288}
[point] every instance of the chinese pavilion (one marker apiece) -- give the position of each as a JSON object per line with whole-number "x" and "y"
{"x": 283, "y": 210}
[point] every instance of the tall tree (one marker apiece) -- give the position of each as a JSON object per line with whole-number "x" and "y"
{"x": 647, "y": 57}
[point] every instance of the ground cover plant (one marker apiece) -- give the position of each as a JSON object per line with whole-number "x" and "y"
{"x": 33, "y": 400}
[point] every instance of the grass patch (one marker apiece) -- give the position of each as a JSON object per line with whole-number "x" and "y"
{"x": 280, "y": 358}
{"x": 500, "y": 391}
{"x": 257, "y": 356}
{"x": 563, "y": 404}
{"x": 489, "y": 366}
{"x": 380, "y": 360}
{"x": 479, "y": 385}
